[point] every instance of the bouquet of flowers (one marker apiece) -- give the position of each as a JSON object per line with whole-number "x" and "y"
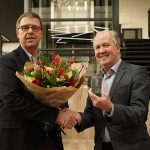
{"x": 52, "y": 82}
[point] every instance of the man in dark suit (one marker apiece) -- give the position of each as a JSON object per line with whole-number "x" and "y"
{"x": 119, "y": 113}
{"x": 25, "y": 123}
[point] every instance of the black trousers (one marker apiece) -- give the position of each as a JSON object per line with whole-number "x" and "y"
{"x": 107, "y": 146}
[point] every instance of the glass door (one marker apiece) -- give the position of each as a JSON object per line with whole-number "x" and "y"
{"x": 70, "y": 25}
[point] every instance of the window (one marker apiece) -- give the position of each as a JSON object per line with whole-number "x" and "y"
{"x": 134, "y": 33}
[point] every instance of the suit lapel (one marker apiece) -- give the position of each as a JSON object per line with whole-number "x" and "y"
{"x": 118, "y": 76}
{"x": 21, "y": 57}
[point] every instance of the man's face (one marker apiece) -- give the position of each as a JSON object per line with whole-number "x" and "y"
{"x": 29, "y": 33}
{"x": 107, "y": 52}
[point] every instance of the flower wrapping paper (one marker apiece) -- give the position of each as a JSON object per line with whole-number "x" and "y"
{"x": 54, "y": 96}
{"x": 53, "y": 82}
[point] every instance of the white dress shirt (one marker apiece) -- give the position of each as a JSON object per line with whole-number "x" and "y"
{"x": 106, "y": 85}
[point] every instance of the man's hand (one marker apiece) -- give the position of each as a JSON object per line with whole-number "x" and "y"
{"x": 67, "y": 118}
{"x": 102, "y": 102}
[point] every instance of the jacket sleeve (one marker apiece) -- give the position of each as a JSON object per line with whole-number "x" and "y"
{"x": 17, "y": 100}
{"x": 87, "y": 117}
{"x": 131, "y": 97}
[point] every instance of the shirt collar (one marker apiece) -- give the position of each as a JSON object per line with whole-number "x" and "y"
{"x": 113, "y": 69}
{"x": 29, "y": 55}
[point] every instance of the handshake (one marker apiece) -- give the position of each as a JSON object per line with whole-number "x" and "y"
{"x": 68, "y": 118}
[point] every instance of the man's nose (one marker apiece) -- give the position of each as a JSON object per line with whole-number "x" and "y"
{"x": 30, "y": 29}
{"x": 101, "y": 50}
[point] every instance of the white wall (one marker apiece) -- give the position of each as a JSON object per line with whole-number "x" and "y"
{"x": 8, "y": 47}
{"x": 134, "y": 14}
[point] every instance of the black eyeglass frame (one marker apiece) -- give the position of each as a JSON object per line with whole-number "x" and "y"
{"x": 34, "y": 28}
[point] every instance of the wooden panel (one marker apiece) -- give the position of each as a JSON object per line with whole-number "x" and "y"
{"x": 77, "y": 103}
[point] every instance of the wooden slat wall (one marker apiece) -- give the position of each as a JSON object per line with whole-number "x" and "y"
{"x": 77, "y": 103}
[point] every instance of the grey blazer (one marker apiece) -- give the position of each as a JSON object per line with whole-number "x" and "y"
{"x": 130, "y": 94}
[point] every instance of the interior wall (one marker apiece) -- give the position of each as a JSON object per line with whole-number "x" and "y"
{"x": 9, "y": 12}
{"x": 134, "y": 14}
{"x": 8, "y": 47}
{"x": 77, "y": 103}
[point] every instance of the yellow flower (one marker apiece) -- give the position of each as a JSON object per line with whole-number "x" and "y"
{"x": 29, "y": 79}
{"x": 69, "y": 74}
{"x": 48, "y": 69}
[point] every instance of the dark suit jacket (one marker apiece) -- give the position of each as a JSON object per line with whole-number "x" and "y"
{"x": 130, "y": 94}
{"x": 21, "y": 116}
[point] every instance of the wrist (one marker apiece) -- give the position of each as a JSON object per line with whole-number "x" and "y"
{"x": 78, "y": 118}
{"x": 110, "y": 112}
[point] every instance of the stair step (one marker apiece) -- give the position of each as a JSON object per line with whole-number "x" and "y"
{"x": 138, "y": 48}
{"x": 135, "y": 52}
{"x": 142, "y": 42}
{"x": 141, "y": 62}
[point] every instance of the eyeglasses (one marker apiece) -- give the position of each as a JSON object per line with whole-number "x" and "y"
{"x": 34, "y": 28}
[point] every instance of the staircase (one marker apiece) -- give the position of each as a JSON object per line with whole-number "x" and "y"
{"x": 137, "y": 52}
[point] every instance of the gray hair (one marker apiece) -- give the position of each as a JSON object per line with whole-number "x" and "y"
{"x": 29, "y": 15}
{"x": 113, "y": 34}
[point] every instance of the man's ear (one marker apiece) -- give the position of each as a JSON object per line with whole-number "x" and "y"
{"x": 119, "y": 48}
{"x": 17, "y": 32}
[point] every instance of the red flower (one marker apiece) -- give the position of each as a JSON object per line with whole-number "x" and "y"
{"x": 54, "y": 73}
{"x": 37, "y": 81}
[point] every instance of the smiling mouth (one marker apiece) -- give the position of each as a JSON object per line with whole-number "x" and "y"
{"x": 30, "y": 38}
{"x": 102, "y": 56}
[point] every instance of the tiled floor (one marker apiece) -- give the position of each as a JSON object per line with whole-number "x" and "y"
{"x": 78, "y": 141}
{"x": 78, "y": 144}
